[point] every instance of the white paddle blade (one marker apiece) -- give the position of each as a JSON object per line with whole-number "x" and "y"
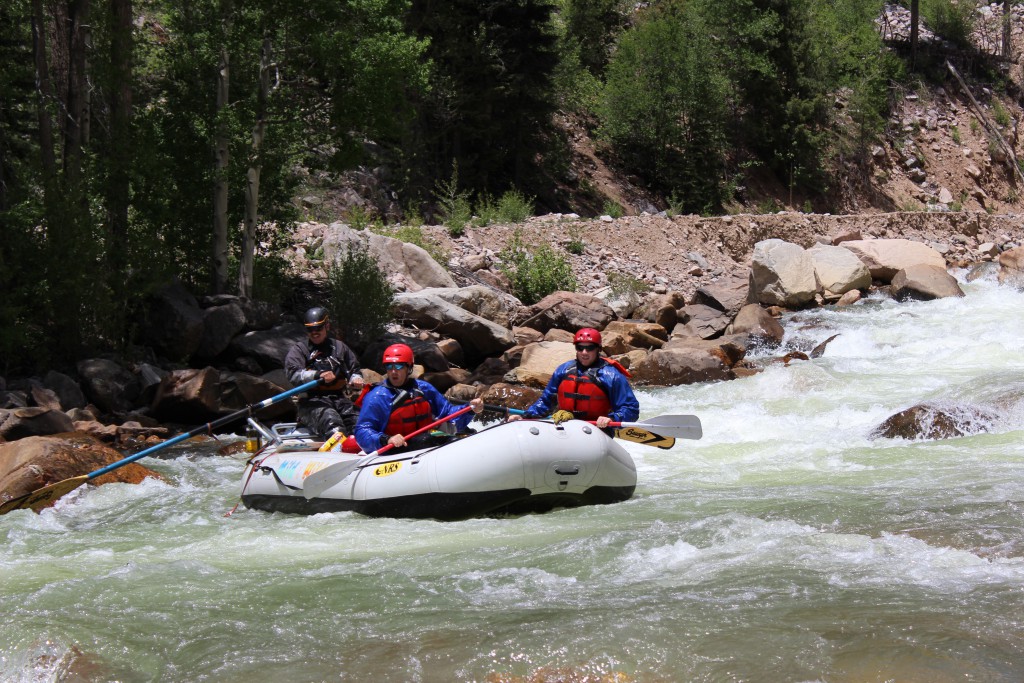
{"x": 677, "y": 426}
{"x": 323, "y": 479}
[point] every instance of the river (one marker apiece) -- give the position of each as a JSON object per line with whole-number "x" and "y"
{"x": 786, "y": 545}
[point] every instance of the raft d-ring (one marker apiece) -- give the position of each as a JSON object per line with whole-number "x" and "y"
{"x": 534, "y": 431}
{"x": 586, "y": 429}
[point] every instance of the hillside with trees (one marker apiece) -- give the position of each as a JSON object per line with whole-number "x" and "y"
{"x": 144, "y": 142}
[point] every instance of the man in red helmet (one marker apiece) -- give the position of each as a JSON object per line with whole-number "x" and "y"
{"x": 400, "y": 405}
{"x": 326, "y": 408}
{"x": 590, "y": 387}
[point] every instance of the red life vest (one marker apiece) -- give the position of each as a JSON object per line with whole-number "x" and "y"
{"x": 409, "y": 415}
{"x": 583, "y": 396}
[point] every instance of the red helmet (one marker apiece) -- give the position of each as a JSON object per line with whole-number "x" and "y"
{"x": 397, "y": 353}
{"x": 588, "y": 335}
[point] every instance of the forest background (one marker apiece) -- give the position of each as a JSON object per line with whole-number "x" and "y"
{"x": 145, "y": 140}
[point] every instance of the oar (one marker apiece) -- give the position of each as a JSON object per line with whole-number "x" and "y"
{"x": 488, "y": 407}
{"x": 638, "y": 432}
{"x": 642, "y": 436}
{"x": 40, "y": 498}
{"x": 673, "y": 426}
{"x": 323, "y": 479}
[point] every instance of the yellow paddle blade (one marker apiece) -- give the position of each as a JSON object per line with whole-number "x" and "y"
{"x": 645, "y": 437}
{"x": 40, "y": 498}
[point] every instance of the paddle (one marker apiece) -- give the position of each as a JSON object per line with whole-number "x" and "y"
{"x": 631, "y": 431}
{"x": 323, "y": 479}
{"x": 673, "y": 426}
{"x": 40, "y": 498}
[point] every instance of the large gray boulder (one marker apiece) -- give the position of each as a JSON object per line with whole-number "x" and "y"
{"x": 67, "y": 390}
{"x": 409, "y": 267}
{"x": 782, "y": 274}
{"x": 220, "y": 325}
{"x": 268, "y": 347}
{"x": 684, "y": 365}
{"x": 477, "y": 299}
{"x": 886, "y": 257}
{"x": 20, "y": 423}
{"x": 838, "y": 270}
{"x": 924, "y": 283}
{"x": 477, "y": 336}
{"x": 108, "y": 385}
{"x": 568, "y": 311}
{"x": 174, "y": 323}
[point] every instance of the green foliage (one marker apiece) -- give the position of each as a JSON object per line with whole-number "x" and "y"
{"x": 360, "y": 296}
{"x": 627, "y": 286}
{"x": 593, "y": 26}
{"x": 535, "y": 271}
{"x": 576, "y": 245}
{"x": 613, "y": 209}
{"x": 999, "y": 113}
{"x": 358, "y": 218}
{"x": 663, "y": 107}
{"x": 492, "y": 97}
{"x": 514, "y": 207}
{"x": 951, "y": 19}
{"x": 453, "y": 203}
{"x": 954, "y": 133}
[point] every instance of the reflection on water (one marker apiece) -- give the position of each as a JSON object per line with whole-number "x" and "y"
{"x": 786, "y": 545}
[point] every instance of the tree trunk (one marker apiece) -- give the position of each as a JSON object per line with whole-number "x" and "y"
{"x": 76, "y": 123}
{"x": 221, "y": 160}
{"x": 1007, "y": 31}
{"x": 44, "y": 97}
{"x": 120, "y": 146}
{"x": 252, "y": 177}
{"x": 914, "y": 19}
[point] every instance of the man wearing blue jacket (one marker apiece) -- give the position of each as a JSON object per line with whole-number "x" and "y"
{"x": 400, "y": 405}
{"x": 590, "y": 387}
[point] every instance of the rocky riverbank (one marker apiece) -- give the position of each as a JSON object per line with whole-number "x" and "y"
{"x": 704, "y": 291}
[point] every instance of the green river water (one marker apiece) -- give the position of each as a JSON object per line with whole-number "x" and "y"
{"x": 786, "y": 545}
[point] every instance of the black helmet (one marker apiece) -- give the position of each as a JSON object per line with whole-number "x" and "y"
{"x": 315, "y": 317}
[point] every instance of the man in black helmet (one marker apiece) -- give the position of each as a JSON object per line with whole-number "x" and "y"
{"x": 325, "y": 409}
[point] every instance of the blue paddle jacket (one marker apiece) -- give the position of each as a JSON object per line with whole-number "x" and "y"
{"x": 625, "y": 407}
{"x": 376, "y": 411}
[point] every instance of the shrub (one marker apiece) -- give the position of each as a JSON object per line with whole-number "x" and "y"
{"x": 627, "y": 287}
{"x": 360, "y": 296}
{"x": 514, "y": 207}
{"x": 613, "y": 209}
{"x": 453, "y": 204}
{"x": 535, "y": 272}
{"x": 576, "y": 244}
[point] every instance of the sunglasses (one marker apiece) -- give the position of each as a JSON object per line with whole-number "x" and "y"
{"x": 314, "y": 329}
{"x": 395, "y": 366}
{"x": 586, "y": 347}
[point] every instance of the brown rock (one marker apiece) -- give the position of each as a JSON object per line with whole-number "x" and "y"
{"x": 39, "y": 461}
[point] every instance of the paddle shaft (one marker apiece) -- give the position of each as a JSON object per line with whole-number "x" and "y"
{"x": 323, "y": 479}
{"x": 388, "y": 446}
{"x": 206, "y": 428}
{"x": 41, "y": 497}
{"x": 498, "y": 409}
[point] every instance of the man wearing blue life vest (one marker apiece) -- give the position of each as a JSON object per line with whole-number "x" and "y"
{"x": 400, "y": 405}
{"x": 589, "y": 388}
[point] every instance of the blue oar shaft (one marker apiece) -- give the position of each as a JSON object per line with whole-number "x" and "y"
{"x": 206, "y": 428}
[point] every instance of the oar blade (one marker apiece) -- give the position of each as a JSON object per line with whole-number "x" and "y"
{"x": 40, "y": 498}
{"x": 323, "y": 479}
{"x": 677, "y": 426}
{"x": 642, "y": 436}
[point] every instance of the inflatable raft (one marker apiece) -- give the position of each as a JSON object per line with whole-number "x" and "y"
{"x": 510, "y": 468}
